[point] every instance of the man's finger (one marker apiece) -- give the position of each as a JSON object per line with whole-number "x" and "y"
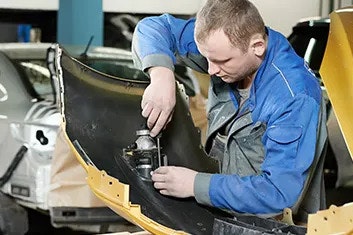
{"x": 158, "y": 177}
{"x": 161, "y": 122}
{"x": 143, "y": 103}
{"x": 164, "y": 192}
{"x": 152, "y": 118}
{"x": 161, "y": 170}
{"x": 147, "y": 110}
{"x": 159, "y": 185}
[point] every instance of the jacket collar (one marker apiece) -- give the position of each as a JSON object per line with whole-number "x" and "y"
{"x": 272, "y": 37}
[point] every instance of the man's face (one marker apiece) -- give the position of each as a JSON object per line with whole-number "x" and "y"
{"x": 229, "y": 63}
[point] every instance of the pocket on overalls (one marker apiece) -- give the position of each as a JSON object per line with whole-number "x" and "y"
{"x": 217, "y": 149}
{"x": 284, "y": 137}
{"x": 252, "y": 148}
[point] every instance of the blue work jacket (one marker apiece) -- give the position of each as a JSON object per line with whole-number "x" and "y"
{"x": 272, "y": 138}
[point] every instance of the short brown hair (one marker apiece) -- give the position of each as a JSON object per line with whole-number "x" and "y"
{"x": 239, "y": 19}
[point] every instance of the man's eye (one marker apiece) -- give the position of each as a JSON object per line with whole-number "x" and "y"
{"x": 222, "y": 61}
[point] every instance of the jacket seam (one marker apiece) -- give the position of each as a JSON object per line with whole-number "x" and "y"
{"x": 284, "y": 78}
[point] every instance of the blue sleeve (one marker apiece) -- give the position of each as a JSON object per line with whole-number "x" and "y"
{"x": 157, "y": 40}
{"x": 290, "y": 142}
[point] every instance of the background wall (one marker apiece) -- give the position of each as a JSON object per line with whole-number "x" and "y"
{"x": 281, "y": 15}
{"x": 284, "y": 14}
{"x": 125, "y": 6}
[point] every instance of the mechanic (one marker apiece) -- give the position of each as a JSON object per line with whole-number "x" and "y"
{"x": 265, "y": 119}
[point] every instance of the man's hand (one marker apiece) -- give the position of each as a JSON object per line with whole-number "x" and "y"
{"x": 174, "y": 181}
{"x": 158, "y": 100}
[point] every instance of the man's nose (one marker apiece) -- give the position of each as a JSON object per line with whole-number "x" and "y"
{"x": 213, "y": 68}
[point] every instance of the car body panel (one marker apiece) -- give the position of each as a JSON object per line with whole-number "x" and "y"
{"x": 102, "y": 114}
{"x": 337, "y": 75}
{"x": 338, "y": 81}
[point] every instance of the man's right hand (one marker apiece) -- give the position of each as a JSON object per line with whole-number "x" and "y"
{"x": 158, "y": 100}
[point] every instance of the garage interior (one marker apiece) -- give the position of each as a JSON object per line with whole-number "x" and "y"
{"x": 69, "y": 206}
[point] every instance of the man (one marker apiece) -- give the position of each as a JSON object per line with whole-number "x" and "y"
{"x": 265, "y": 125}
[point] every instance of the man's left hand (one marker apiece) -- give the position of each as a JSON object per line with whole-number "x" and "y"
{"x": 174, "y": 181}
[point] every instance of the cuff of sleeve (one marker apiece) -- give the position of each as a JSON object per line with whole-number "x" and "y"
{"x": 157, "y": 60}
{"x": 201, "y": 188}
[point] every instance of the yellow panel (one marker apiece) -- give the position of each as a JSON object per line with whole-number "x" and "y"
{"x": 337, "y": 74}
{"x": 116, "y": 196}
{"x": 337, "y": 70}
{"x": 335, "y": 220}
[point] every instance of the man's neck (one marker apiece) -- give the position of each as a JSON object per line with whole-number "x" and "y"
{"x": 246, "y": 82}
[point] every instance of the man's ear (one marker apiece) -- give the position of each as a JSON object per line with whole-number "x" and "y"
{"x": 258, "y": 45}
